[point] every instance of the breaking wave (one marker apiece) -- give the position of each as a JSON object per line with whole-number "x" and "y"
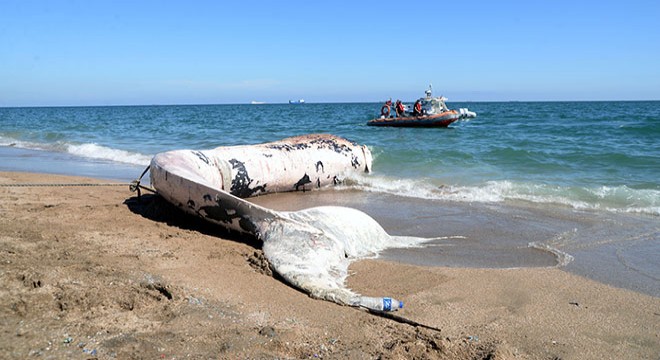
{"x": 95, "y": 151}
{"x": 87, "y": 150}
{"x": 604, "y": 198}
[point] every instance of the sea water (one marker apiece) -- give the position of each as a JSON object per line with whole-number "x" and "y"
{"x": 569, "y": 184}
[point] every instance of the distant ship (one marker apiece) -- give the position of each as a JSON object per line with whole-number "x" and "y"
{"x": 256, "y": 102}
{"x": 301, "y": 101}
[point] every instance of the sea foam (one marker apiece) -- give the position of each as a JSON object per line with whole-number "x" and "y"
{"x": 612, "y": 199}
{"x": 95, "y": 151}
{"x": 87, "y": 151}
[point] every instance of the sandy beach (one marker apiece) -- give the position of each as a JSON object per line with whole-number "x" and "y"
{"x": 91, "y": 272}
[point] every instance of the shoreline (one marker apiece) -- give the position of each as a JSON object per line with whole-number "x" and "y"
{"x": 48, "y": 162}
{"x": 615, "y": 249}
{"x": 92, "y": 269}
{"x": 515, "y": 235}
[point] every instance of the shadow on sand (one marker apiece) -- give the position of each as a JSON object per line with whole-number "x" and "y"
{"x": 154, "y": 207}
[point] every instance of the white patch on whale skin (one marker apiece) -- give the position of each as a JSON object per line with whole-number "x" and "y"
{"x": 312, "y": 248}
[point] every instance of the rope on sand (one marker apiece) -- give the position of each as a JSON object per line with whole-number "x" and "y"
{"x": 401, "y": 319}
{"x": 62, "y": 184}
{"x": 133, "y": 185}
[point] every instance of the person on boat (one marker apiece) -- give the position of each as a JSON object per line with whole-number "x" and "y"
{"x": 385, "y": 110}
{"x": 417, "y": 108}
{"x": 399, "y": 108}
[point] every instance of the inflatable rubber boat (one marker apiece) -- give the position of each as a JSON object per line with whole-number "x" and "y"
{"x": 431, "y": 112}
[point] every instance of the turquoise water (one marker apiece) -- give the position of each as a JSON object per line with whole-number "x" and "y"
{"x": 593, "y": 155}
{"x": 569, "y": 184}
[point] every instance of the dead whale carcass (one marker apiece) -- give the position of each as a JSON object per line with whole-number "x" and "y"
{"x": 184, "y": 177}
{"x": 292, "y": 164}
{"x": 311, "y": 249}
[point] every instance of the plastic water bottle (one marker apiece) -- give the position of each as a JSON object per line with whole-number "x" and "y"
{"x": 381, "y": 303}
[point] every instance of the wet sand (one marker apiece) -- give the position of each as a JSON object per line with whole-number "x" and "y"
{"x": 49, "y": 162}
{"x": 616, "y": 249}
{"x": 93, "y": 272}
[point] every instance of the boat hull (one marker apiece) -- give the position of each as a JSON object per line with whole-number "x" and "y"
{"x": 443, "y": 119}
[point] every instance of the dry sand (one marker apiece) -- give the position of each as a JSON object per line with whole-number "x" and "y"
{"x": 90, "y": 272}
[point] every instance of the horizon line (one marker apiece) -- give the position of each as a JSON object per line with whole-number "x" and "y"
{"x": 312, "y": 102}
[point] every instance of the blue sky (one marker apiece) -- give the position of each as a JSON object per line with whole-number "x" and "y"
{"x": 204, "y": 52}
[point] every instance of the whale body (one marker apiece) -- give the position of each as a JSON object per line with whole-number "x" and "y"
{"x": 311, "y": 248}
